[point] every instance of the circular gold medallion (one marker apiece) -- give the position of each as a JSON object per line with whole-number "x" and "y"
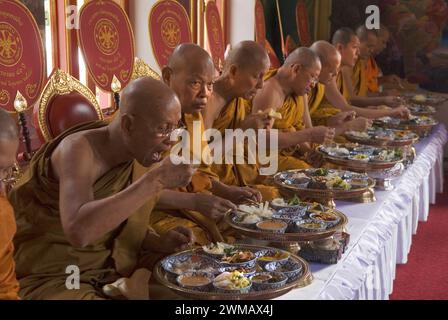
{"x": 11, "y": 48}
{"x": 106, "y": 37}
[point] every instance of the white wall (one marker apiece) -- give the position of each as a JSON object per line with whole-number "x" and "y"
{"x": 139, "y": 13}
{"x": 242, "y": 20}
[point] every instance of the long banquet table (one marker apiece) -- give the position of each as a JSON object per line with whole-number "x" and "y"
{"x": 381, "y": 232}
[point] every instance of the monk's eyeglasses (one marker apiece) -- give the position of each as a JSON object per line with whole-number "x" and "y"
{"x": 10, "y": 175}
{"x": 166, "y": 132}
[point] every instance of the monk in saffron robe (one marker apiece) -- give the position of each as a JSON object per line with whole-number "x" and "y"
{"x": 337, "y": 96}
{"x": 83, "y": 205}
{"x": 230, "y": 108}
{"x": 190, "y": 72}
{"x": 357, "y": 78}
{"x": 9, "y": 143}
{"x": 284, "y": 91}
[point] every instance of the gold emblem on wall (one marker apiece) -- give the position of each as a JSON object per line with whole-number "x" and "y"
{"x": 106, "y": 37}
{"x": 10, "y": 45}
{"x": 170, "y": 32}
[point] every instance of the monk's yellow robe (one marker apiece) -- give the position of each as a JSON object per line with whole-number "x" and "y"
{"x": 373, "y": 72}
{"x": 206, "y": 230}
{"x": 43, "y": 252}
{"x": 240, "y": 174}
{"x": 292, "y": 111}
{"x": 321, "y": 109}
{"x": 9, "y": 286}
{"x": 359, "y": 78}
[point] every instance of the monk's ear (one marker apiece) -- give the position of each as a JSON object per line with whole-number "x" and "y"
{"x": 166, "y": 75}
{"x": 233, "y": 71}
{"x": 339, "y": 47}
{"x": 127, "y": 122}
{"x": 296, "y": 68}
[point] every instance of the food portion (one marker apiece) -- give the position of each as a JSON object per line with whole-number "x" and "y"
{"x": 219, "y": 248}
{"x": 231, "y": 281}
{"x": 364, "y": 153}
{"x": 239, "y": 257}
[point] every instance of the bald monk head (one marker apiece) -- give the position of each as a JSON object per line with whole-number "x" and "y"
{"x": 190, "y": 73}
{"x": 303, "y": 66}
{"x": 368, "y": 41}
{"x": 330, "y": 59}
{"x": 347, "y": 43}
{"x": 244, "y": 67}
{"x": 383, "y": 39}
{"x": 9, "y": 143}
{"x": 149, "y": 112}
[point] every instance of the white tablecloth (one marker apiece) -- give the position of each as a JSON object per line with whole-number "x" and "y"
{"x": 381, "y": 232}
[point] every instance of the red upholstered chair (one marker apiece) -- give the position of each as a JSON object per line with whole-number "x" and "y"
{"x": 64, "y": 103}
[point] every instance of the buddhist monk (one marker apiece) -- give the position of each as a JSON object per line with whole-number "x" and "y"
{"x": 229, "y": 108}
{"x": 83, "y": 205}
{"x": 374, "y": 85}
{"x": 359, "y": 77}
{"x": 190, "y": 73}
{"x": 337, "y": 96}
{"x": 9, "y": 143}
{"x": 284, "y": 91}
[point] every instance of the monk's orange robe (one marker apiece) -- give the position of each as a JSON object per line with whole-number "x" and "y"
{"x": 292, "y": 111}
{"x": 205, "y": 229}
{"x": 240, "y": 174}
{"x": 372, "y": 73}
{"x": 9, "y": 286}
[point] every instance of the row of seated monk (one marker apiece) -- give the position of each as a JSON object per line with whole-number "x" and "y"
{"x": 103, "y": 196}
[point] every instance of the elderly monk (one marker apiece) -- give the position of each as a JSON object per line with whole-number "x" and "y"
{"x": 337, "y": 96}
{"x": 229, "y": 108}
{"x": 358, "y": 77}
{"x": 284, "y": 91}
{"x": 86, "y": 198}
{"x": 9, "y": 143}
{"x": 190, "y": 72}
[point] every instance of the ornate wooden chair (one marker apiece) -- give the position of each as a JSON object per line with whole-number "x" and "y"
{"x": 64, "y": 103}
{"x": 141, "y": 69}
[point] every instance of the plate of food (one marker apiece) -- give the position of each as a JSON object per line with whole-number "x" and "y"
{"x": 325, "y": 184}
{"x": 222, "y": 282}
{"x": 361, "y": 159}
{"x": 282, "y": 226}
{"x": 418, "y": 124}
{"x": 421, "y": 109}
{"x": 378, "y": 136}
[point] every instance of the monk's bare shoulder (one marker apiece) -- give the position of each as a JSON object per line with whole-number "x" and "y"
{"x": 73, "y": 155}
{"x": 268, "y": 97}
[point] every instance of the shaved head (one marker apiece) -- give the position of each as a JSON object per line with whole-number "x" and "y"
{"x": 8, "y": 127}
{"x": 368, "y": 41}
{"x": 304, "y": 56}
{"x": 363, "y": 33}
{"x": 246, "y": 54}
{"x": 145, "y": 97}
{"x": 326, "y": 52}
{"x": 148, "y": 110}
{"x": 330, "y": 59}
{"x": 190, "y": 72}
{"x": 343, "y": 36}
{"x": 189, "y": 57}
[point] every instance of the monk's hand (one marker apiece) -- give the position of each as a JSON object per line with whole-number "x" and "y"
{"x": 172, "y": 175}
{"x": 393, "y": 102}
{"x": 400, "y": 112}
{"x": 177, "y": 239}
{"x": 321, "y": 134}
{"x": 212, "y": 206}
{"x": 359, "y": 124}
{"x": 242, "y": 194}
{"x": 341, "y": 118}
{"x": 257, "y": 121}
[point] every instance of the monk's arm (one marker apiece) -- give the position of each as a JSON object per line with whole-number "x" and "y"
{"x": 335, "y": 97}
{"x": 83, "y": 218}
{"x": 306, "y": 113}
{"x": 266, "y": 99}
